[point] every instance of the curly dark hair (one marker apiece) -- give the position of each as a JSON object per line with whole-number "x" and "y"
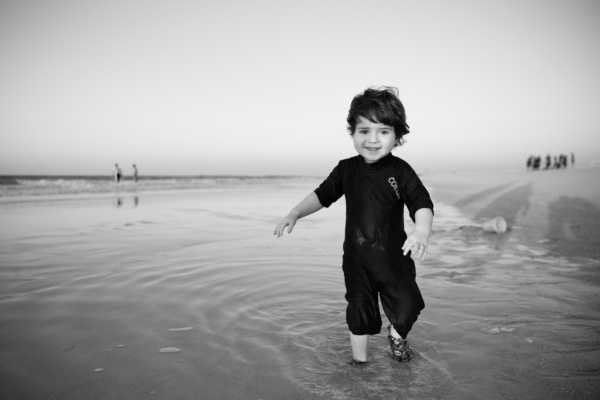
{"x": 379, "y": 105}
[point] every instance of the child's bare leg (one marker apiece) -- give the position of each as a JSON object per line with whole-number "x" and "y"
{"x": 359, "y": 346}
{"x": 394, "y": 333}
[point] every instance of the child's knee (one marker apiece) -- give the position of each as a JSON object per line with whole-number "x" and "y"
{"x": 363, "y": 316}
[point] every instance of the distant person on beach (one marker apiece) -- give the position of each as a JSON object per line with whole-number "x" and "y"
{"x": 376, "y": 261}
{"x": 117, "y": 173}
{"x": 135, "y": 173}
{"x": 572, "y": 160}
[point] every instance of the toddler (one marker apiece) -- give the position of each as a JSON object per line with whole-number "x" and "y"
{"x": 377, "y": 261}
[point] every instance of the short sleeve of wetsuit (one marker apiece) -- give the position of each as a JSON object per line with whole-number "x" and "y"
{"x": 415, "y": 194}
{"x": 332, "y": 188}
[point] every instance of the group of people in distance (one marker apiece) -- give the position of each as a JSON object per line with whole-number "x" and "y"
{"x": 118, "y": 174}
{"x": 534, "y": 163}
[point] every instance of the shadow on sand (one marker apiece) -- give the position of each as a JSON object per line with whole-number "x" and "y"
{"x": 481, "y": 195}
{"x": 574, "y": 229}
{"x": 509, "y": 205}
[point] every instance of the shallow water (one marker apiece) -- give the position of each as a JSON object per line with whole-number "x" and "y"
{"x": 190, "y": 296}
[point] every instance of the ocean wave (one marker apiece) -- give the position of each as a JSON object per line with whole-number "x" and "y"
{"x": 14, "y": 188}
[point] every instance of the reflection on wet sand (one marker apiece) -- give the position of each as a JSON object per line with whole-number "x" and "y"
{"x": 119, "y": 201}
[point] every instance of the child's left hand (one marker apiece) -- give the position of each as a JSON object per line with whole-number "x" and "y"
{"x": 417, "y": 243}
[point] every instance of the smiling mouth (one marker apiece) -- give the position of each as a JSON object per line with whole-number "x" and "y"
{"x": 372, "y": 148}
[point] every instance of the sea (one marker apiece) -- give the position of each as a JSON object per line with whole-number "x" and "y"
{"x": 32, "y": 187}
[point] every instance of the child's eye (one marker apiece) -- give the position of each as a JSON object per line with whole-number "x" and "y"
{"x": 363, "y": 131}
{"x": 385, "y": 132}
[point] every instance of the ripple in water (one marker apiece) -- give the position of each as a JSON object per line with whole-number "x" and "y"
{"x": 270, "y": 304}
{"x": 222, "y": 294}
{"x": 289, "y": 308}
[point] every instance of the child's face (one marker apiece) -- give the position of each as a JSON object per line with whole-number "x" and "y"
{"x": 373, "y": 140}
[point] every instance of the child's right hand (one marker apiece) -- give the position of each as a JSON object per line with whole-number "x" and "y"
{"x": 289, "y": 221}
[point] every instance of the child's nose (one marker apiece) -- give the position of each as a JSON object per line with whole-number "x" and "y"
{"x": 373, "y": 138}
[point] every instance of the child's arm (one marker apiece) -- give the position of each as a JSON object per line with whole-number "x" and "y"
{"x": 309, "y": 205}
{"x": 418, "y": 240}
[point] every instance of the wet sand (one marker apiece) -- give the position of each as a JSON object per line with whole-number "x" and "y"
{"x": 532, "y": 291}
{"x": 558, "y": 210}
{"x": 92, "y": 290}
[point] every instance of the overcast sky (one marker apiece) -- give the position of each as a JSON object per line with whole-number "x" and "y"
{"x": 263, "y": 87}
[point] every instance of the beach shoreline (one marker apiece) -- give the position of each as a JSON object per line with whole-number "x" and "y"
{"x": 93, "y": 289}
{"x": 556, "y": 209}
{"x": 553, "y": 240}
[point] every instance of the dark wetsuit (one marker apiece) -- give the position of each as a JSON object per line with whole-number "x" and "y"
{"x": 373, "y": 262}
